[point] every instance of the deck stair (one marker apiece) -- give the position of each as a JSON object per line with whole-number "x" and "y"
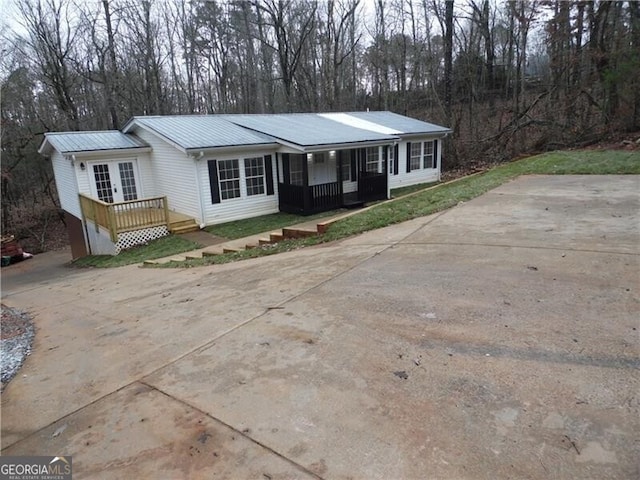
{"x": 184, "y": 226}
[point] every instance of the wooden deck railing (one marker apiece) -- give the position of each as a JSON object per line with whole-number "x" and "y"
{"x": 125, "y": 216}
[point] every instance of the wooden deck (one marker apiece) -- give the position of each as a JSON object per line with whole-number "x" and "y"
{"x": 135, "y": 215}
{"x": 178, "y": 222}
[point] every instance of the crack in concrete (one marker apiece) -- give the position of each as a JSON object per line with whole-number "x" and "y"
{"x": 231, "y": 427}
{"x": 208, "y": 343}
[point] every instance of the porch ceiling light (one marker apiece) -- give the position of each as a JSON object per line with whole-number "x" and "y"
{"x": 309, "y": 157}
{"x": 332, "y": 154}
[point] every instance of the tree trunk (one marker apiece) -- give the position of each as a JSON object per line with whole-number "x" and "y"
{"x": 448, "y": 59}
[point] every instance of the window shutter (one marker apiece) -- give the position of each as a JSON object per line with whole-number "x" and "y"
{"x": 435, "y": 154}
{"x": 354, "y": 166}
{"x": 286, "y": 170}
{"x": 396, "y": 160}
{"x": 268, "y": 173}
{"x": 213, "y": 181}
{"x": 408, "y": 157}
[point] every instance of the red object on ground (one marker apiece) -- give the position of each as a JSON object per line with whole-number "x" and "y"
{"x": 12, "y": 251}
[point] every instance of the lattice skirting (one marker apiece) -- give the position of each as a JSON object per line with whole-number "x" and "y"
{"x": 139, "y": 237}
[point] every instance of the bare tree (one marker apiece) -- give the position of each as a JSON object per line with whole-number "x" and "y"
{"x": 51, "y": 36}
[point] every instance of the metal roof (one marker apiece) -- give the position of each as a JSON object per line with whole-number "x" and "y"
{"x": 193, "y": 132}
{"x": 399, "y": 123}
{"x": 352, "y": 121}
{"x": 200, "y": 131}
{"x": 70, "y": 142}
{"x": 307, "y": 129}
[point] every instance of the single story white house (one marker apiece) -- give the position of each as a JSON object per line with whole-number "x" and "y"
{"x": 162, "y": 174}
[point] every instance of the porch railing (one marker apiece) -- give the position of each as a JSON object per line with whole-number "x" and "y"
{"x": 310, "y": 199}
{"x": 372, "y": 186}
{"x": 125, "y": 216}
{"x": 325, "y": 196}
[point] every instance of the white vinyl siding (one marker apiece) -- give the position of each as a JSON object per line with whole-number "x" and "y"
{"x": 245, "y": 206}
{"x": 173, "y": 174}
{"x": 66, "y": 183}
{"x": 100, "y": 240}
{"x": 421, "y": 175}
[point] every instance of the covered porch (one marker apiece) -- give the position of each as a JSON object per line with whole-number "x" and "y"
{"x": 325, "y": 180}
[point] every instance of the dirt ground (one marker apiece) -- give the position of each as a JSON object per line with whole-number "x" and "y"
{"x": 498, "y": 339}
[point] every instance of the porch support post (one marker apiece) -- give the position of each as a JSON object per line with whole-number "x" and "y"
{"x": 165, "y": 205}
{"x": 306, "y": 191}
{"x": 95, "y": 218}
{"x": 387, "y": 169}
{"x": 340, "y": 186}
{"x": 113, "y": 228}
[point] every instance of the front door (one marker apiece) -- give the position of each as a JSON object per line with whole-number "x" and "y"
{"x": 322, "y": 170}
{"x": 115, "y": 181}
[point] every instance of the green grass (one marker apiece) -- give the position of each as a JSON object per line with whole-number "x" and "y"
{"x": 162, "y": 247}
{"x": 402, "y": 191}
{"x": 265, "y": 223}
{"x": 445, "y": 196}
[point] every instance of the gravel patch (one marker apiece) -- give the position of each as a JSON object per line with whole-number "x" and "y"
{"x": 16, "y": 337}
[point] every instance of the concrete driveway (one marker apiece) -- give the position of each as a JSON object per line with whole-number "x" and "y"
{"x": 498, "y": 339}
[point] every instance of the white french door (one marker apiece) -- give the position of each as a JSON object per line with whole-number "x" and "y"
{"x": 115, "y": 181}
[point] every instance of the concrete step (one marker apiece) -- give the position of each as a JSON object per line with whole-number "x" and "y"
{"x": 298, "y": 232}
{"x": 231, "y": 250}
{"x": 264, "y": 241}
{"x": 160, "y": 261}
{"x": 276, "y": 237}
{"x": 209, "y": 254}
{"x": 250, "y": 247}
{"x": 193, "y": 256}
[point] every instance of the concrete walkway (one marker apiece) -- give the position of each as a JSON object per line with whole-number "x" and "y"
{"x": 498, "y": 339}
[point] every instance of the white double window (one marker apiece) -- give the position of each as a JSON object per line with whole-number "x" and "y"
{"x": 422, "y": 155}
{"x": 231, "y": 175}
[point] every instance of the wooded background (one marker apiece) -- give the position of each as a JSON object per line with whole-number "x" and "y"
{"x": 509, "y": 77}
